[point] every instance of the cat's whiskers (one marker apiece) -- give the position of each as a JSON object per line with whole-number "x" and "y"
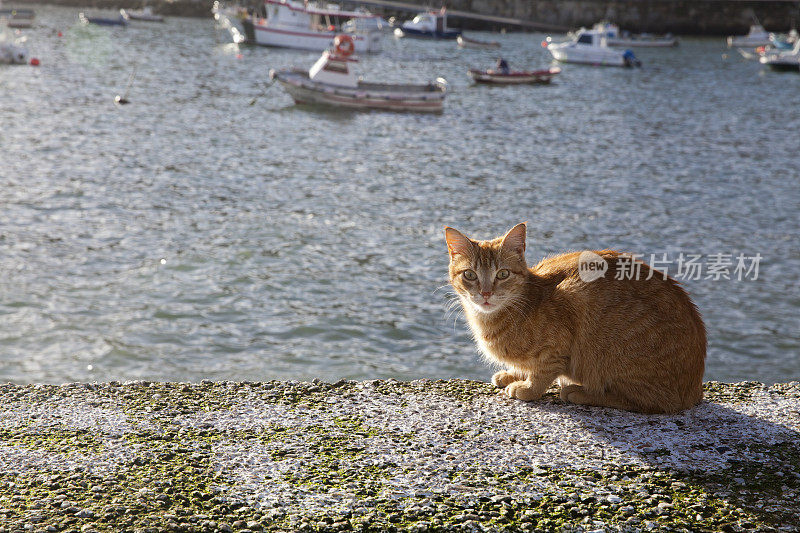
{"x": 459, "y": 314}
{"x": 445, "y": 286}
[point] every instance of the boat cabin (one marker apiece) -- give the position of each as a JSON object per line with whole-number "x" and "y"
{"x": 590, "y": 38}
{"x": 429, "y": 22}
{"x": 305, "y": 15}
{"x": 333, "y": 69}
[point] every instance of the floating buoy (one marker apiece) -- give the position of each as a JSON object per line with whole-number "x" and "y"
{"x": 544, "y": 44}
{"x": 34, "y": 62}
{"x": 239, "y": 56}
{"x": 60, "y": 34}
{"x": 121, "y": 100}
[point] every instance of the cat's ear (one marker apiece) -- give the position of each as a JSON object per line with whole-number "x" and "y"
{"x": 514, "y": 240}
{"x": 457, "y": 243}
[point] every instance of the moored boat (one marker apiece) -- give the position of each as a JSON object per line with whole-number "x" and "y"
{"x": 121, "y": 20}
{"x": 331, "y": 81}
{"x": 428, "y": 25}
{"x": 17, "y": 18}
{"x": 756, "y": 37}
{"x": 589, "y": 47}
{"x": 641, "y": 40}
{"x": 145, "y": 14}
{"x": 513, "y": 77}
{"x": 466, "y": 42}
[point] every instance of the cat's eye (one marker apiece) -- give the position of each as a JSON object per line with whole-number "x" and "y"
{"x": 470, "y": 275}
{"x": 503, "y": 274}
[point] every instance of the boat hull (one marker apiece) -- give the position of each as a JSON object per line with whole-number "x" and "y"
{"x": 421, "y": 34}
{"x": 101, "y": 21}
{"x": 19, "y": 23}
{"x": 602, "y": 57}
{"x": 783, "y": 65}
{"x": 514, "y": 78}
{"x": 265, "y": 35}
{"x": 144, "y": 17}
{"x": 408, "y": 98}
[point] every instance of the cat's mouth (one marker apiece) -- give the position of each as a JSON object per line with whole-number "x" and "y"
{"x": 485, "y": 306}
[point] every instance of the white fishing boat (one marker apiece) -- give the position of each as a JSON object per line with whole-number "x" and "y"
{"x": 757, "y": 36}
{"x": 614, "y": 37}
{"x": 466, "y": 42}
{"x": 294, "y": 24}
{"x": 145, "y": 14}
{"x": 331, "y": 81}
{"x": 589, "y": 47}
{"x": 783, "y": 60}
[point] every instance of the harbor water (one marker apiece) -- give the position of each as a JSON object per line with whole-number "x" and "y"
{"x": 211, "y": 229}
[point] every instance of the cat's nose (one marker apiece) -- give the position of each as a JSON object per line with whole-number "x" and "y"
{"x": 486, "y": 295}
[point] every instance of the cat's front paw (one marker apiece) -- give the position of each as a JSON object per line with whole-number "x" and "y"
{"x": 522, "y": 390}
{"x": 503, "y": 378}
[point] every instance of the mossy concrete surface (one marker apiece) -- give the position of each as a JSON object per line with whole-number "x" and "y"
{"x": 390, "y": 456}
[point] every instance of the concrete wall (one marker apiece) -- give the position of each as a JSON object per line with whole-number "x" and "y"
{"x": 445, "y": 456}
{"x": 691, "y": 17}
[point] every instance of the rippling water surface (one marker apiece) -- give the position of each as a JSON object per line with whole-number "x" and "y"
{"x": 192, "y": 235}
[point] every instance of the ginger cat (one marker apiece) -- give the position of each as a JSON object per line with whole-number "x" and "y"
{"x": 634, "y": 344}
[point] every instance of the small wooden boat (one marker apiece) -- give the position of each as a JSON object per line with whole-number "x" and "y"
{"x": 466, "y": 42}
{"x": 103, "y": 21}
{"x": 145, "y": 14}
{"x": 332, "y": 82}
{"x": 513, "y": 77}
{"x": 17, "y": 18}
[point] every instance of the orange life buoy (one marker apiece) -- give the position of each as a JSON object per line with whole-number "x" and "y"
{"x": 343, "y": 45}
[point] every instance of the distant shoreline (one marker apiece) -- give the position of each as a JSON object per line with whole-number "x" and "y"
{"x": 681, "y": 17}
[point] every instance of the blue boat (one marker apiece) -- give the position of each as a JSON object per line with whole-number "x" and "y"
{"x": 428, "y": 25}
{"x": 103, "y": 21}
